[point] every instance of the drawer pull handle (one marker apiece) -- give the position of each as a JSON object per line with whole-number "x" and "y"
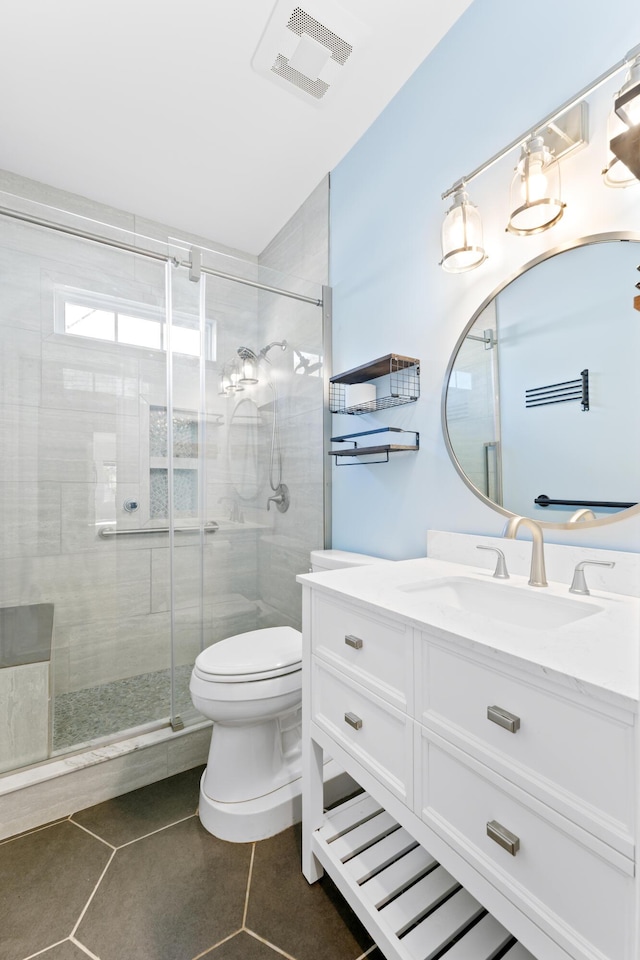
{"x": 503, "y": 837}
{"x": 352, "y": 641}
{"x": 504, "y": 719}
{"x": 353, "y": 720}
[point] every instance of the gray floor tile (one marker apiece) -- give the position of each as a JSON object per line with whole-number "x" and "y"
{"x": 142, "y": 811}
{"x": 46, "y": 878}
{"x": 169, "y": 896}
{"x": 243, "y": 947}
{"x": 310, "y": 922}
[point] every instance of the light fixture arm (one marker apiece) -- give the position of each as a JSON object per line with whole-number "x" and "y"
{"x": 550, "y": 118}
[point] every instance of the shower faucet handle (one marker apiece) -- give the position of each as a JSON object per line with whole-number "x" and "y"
{"x": 280, "y": 498}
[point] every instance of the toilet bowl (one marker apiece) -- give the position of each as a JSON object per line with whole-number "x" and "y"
{"x": 247, "y": 684}
{"x": 250, "y": 686}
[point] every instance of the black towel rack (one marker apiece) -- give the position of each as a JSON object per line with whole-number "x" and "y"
{"x": 544, "y": 501}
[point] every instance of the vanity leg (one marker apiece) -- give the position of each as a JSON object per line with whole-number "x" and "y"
{"x": 312, "y": 805}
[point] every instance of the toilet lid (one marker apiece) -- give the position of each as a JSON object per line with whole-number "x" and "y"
{"x": 269, "y": 652}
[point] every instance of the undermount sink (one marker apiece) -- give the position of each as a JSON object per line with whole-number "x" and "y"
{"x": 499, "y": 601}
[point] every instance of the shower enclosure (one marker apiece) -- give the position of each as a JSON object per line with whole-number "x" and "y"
{"x": 139, "y": 518}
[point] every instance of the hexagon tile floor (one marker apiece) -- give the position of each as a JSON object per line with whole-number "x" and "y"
{"x": 138, "y": 878}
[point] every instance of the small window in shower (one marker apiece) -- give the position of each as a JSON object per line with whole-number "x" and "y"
{"x": 94, "y": 316}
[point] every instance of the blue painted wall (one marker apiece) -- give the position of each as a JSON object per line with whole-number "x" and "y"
{"x": 501, "y": 68}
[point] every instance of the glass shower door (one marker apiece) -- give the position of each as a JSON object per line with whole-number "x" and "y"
{"x": 82, "y": 360}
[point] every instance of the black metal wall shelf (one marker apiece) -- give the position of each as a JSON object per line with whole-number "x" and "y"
{"x": 403, "y": 385}
{"x": 380, "y": 448}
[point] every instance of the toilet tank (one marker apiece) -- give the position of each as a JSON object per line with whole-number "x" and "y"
{"x": 336, "y": 559}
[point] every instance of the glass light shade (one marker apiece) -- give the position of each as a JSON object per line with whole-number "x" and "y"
{"x": 629, "y": 112}
{"x": 462, "y": 245}
{"x": 616, "y": 173}
{"x": 248, "y": 370}
{"x": 536, "y": 202}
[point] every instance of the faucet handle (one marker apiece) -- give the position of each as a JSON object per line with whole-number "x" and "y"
{"x": 501, "y": 572}
{"x": 579, "y": 583}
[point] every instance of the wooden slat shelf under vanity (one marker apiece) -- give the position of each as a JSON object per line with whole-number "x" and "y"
{"x": 412, "y": 906}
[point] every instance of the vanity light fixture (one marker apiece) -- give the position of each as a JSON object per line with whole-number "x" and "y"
{"x": 536, "y": 203}
{"x": 230, "y": 378}
{"x": 462, "y": 246}
{"x": 248, "y": 366}
{"x": 625, "y": 113}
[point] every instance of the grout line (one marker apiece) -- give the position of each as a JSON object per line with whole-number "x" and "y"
{"x": 45, "y": 949}
{"x": 268, "y": 943}
{"x": 216, "y": 945}
{"x": 86, "y": 906}
{"x": 27, "y": 833}
{"x": 246, "y": 898}
{"x": 92, "y": 834}
{"x": 82, "y": 947}
{"x": 153, "y": 832}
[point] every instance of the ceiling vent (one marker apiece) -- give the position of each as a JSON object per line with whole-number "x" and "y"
{"x": 306, "y": 48}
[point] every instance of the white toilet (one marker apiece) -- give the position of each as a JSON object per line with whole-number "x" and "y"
{"x": 250, "y": 685}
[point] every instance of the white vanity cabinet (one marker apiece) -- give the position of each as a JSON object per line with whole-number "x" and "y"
{"x": 499, "y": 799}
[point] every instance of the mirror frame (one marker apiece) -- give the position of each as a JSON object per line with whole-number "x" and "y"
{"x": 554, "y": 252}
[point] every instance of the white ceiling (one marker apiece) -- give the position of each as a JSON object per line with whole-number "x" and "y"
{"x": 152, "y": 106}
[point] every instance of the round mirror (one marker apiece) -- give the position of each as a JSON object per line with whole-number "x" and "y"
{"x": 243, "y": 449}
{"x": 541, "y": 401}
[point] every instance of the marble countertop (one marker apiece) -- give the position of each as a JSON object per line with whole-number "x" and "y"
{"x": 597, "y": 654}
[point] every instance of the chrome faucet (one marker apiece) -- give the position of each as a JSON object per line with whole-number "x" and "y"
{"x": 537, "y": 574}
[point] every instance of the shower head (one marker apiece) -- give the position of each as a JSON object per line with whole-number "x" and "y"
{"x": 246, "y": 353}
{"x": 274, "y": 343}
{"x": 250, "y": 360}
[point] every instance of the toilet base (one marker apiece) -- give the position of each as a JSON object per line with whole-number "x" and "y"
{"x": 262, "y": 817}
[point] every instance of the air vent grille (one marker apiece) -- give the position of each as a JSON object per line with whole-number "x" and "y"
{"x": 316, "y": 88}
{"x": 301, "y": 22}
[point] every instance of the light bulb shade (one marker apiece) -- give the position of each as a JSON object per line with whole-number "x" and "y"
{"x": 536, "y": 202}
{"x": 627, "y": 100}
{"x": 230, "y": 378}
{"x": 462, "y": 245}
{"x": 248, "y": 370}
{"x": 616, "y": 173}
{"x": 625, "y": 112}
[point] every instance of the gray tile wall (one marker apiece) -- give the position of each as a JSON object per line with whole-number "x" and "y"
{"x": 301, "y": 248}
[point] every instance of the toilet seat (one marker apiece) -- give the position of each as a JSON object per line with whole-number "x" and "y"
{"x": 255, "y": 655}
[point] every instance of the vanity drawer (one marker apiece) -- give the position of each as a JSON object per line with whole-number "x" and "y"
{"x": 373, "y": 651}
{"x": 554, "y": 878}
{"x": 559, "y": 742}
{"x": 377, "y": 735}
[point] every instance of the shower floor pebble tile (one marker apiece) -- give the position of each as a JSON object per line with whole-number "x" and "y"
{"x": 138, "y": 878}
{"x": 110, "y": 708}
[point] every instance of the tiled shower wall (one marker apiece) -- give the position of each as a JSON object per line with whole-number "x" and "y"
{"x": 301, "y": 248}
{"x": 71, "y": 410}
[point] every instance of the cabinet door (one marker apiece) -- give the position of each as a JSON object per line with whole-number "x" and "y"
{"x": 570, "y": 891}
{"x": 377, "y": 735}
{"x": 374, "y": 651}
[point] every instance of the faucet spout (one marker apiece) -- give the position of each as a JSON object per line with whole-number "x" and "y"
{"x": 537, "y": 574}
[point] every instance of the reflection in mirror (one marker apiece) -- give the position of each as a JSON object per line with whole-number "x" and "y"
{"x": 542, "y": 398}
{"x": 243, "y": 448}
